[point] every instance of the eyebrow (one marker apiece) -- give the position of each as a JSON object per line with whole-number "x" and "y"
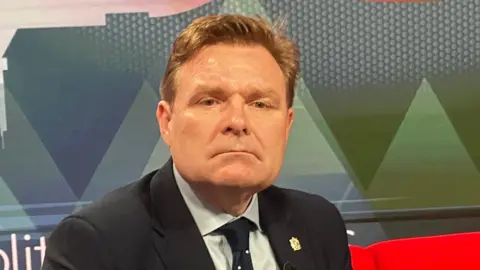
{"x": 265, "y": 92}
{"x": 206, "y": 89}
{"x": 256, "y": 92}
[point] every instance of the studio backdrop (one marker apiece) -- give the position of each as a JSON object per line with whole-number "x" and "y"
{"x": 386, "y": 110}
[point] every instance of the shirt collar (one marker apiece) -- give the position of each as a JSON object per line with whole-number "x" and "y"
{"x": 207, "y": 218}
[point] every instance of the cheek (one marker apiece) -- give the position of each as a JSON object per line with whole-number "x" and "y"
{"x": 192, "y": 129}
{"x": 273, "y": 134}
{"x": 188, "y": 128}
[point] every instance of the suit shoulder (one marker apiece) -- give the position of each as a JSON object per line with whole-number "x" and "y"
{"x": 316, "y": 209}
{"x": 321, "y": 216}
{"x": 120, "y": 214}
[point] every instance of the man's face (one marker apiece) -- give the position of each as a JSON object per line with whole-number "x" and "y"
{"x": 229, "y": 123}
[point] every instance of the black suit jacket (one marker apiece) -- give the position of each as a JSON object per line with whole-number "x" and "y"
{"x": 147, "y": 226}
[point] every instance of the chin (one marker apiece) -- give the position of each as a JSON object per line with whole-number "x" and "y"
{"x": 239, "y": 170}
{"x": 238, "y": 176}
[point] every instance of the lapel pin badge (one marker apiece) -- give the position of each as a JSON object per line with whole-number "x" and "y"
{"x": 295, "y": 244}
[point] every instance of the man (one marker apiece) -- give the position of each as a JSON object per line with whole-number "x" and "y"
{"x": 226, "y": 112}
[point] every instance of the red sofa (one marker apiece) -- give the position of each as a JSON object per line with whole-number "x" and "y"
{"x": 443, "y": 252}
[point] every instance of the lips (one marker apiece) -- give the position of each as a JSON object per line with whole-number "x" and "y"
{"x": 239, "y": 151}
{"x": 235, "y": 151}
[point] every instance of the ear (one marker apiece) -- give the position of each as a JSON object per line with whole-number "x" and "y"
{"x": 164, "y": 118}
{"x": 290, "y": 117}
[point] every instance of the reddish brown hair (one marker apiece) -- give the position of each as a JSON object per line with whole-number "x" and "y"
{"x": 235, "y": 30}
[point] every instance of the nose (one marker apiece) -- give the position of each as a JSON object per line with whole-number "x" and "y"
{"x": 237, "y": 123}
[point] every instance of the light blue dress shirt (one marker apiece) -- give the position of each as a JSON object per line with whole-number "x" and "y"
{"x": 208, "y": 220}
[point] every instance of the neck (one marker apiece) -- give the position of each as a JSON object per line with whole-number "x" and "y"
{"x": 231, "y": 200}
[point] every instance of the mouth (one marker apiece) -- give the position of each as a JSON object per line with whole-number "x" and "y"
{"x": 237, "y": 152}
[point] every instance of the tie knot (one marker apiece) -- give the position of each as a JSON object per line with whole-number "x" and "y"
{"x": 237, "y": 233}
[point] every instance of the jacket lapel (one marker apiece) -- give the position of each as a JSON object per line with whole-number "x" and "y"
{"x": 180, "y": 246}
{"x": 177, "y": 239}
{"x": 287, "y": 236}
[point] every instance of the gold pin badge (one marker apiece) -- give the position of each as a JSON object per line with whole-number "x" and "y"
{"x": 295, "y": 244}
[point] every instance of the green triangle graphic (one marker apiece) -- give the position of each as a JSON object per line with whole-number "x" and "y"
{"x": 460, "y": 95}
{"x": 134, "y": 140}
{"x": 244, "y": 7}
{"x": 8, "y": 199}
{"x": 364, "y": 120}
{"x": 304, "y": 98}
{"x": 426, "y": 164}
{"x": 308, "y": 152}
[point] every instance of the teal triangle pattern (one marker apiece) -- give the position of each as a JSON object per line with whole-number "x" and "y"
{"x": 38, "y": 174}
{"x": 160, "y": 155}
{"x": 9, "y": 203}
{"x": 130, "y": 148}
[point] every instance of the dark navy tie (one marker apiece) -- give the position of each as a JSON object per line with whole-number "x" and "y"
{"x": 237, "y": 234}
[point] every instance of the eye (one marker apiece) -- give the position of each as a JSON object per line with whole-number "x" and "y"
{"x": 208, "y": 101}
{"x": 260, "y": 104}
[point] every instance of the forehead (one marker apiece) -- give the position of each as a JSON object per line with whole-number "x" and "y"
{"x": 232, "y": 67}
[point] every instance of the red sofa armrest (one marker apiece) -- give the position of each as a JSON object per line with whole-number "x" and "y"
{"x": 361, "y": 258}
{"x": 449, "y": 252}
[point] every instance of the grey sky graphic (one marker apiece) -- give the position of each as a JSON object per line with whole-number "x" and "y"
{"x": 3, "y": 110}
{"x": 58, "y": 13}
